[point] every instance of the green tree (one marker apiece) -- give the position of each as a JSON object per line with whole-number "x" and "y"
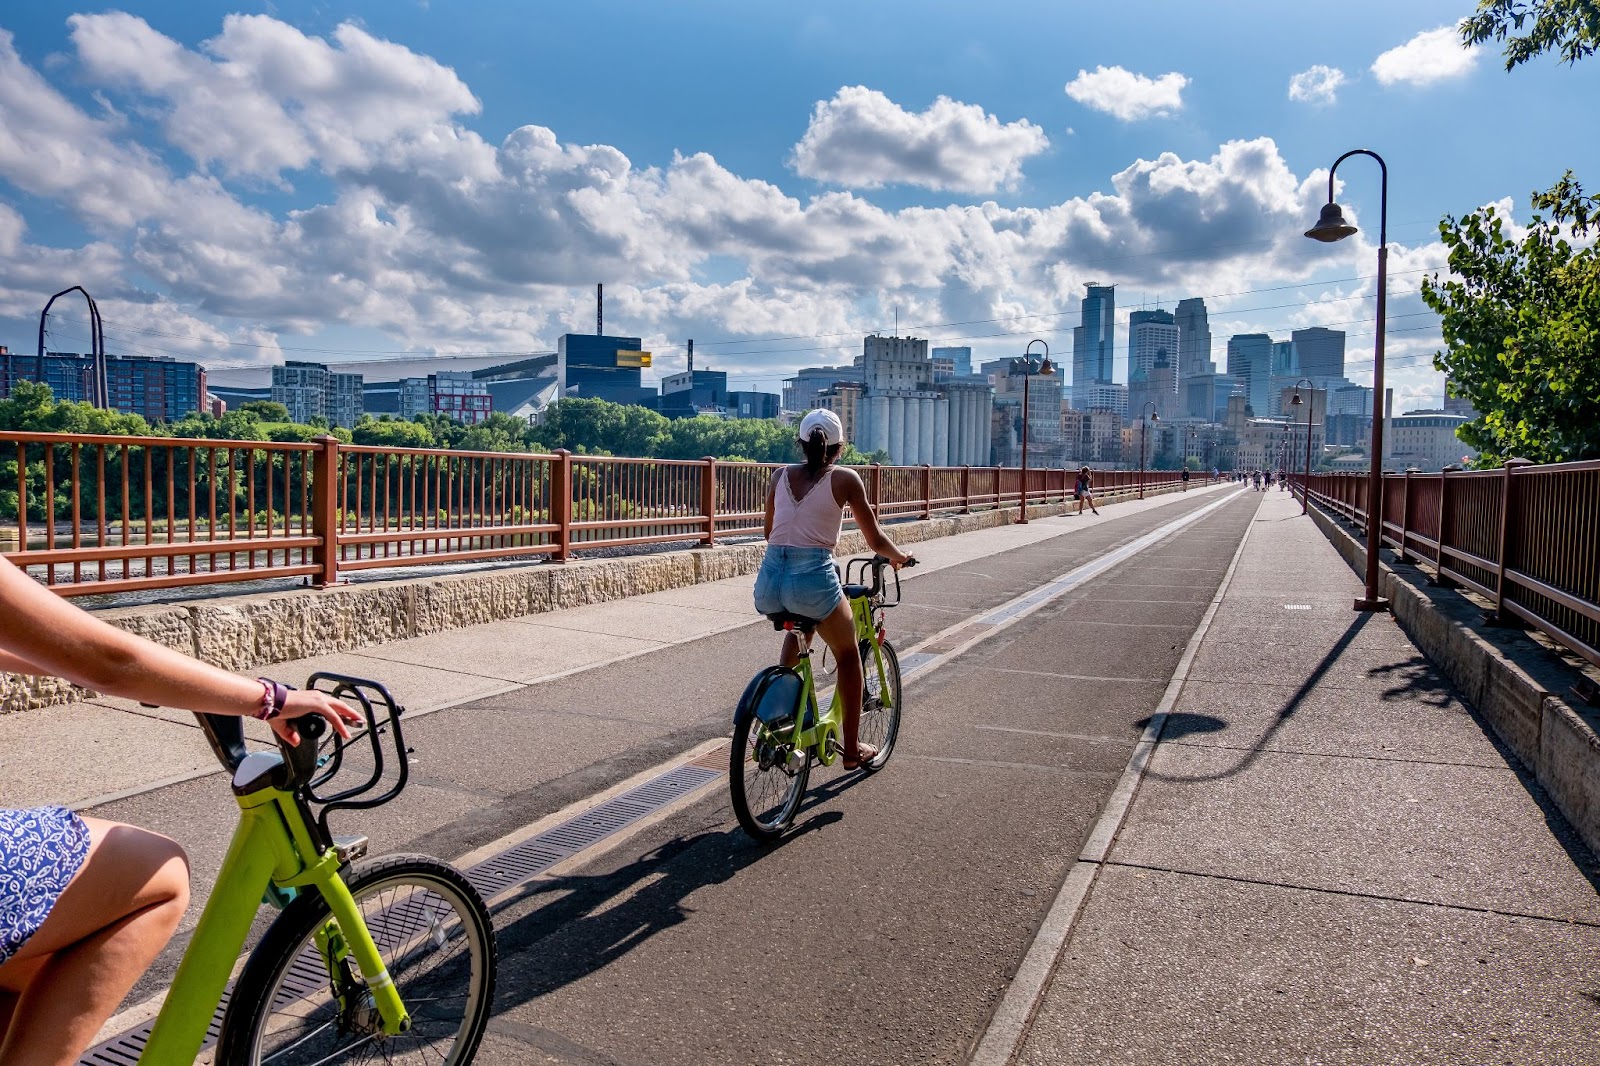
{"x": 1521, "y": 321}
{"x": 268, "y": 410}
{"x": 1570, "y": 26}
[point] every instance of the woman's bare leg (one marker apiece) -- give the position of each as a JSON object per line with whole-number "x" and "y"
{"x": 103, "y": 933}
{"x": 839, "y": 630}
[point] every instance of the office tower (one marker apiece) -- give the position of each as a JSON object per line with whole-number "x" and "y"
{"x": 159, "y": 388}
{"x": 311, "y": 390}
{"x": 801, "y": 392}
{"x": 1284, "y": 358}
{"x": 1250, "y": 362}
{"x": 1194, "y": 338}
{"x": 961, "y": 356}
{"x": 1151, "y": 335}
{"x": 1094, "y": 342}
{"x": 1321, "y": 351}
{"x": 596, "y": 366}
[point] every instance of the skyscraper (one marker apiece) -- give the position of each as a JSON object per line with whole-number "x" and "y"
{"x": 1095, "y": 341}
{"x": 961, "y": 356}
{"x": 1250, "y": 362}
{"x": 1194, "y": 338}
{"x": 1321, "y": 351}
{"x": 1151, "y": 334}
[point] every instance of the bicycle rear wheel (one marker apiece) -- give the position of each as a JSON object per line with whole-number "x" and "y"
{"x": 880, "y": 703}
{"x": 767, "y": 778}
{"x": 434, "y": 934}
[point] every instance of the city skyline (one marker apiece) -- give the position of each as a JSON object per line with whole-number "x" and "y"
{"x": 445, "y": 188}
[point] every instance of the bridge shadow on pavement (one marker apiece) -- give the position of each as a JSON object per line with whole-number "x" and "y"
{"x": 592, "y": 920}
{"x": 1183, "y": 724}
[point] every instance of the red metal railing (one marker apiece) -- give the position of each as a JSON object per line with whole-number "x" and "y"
{"x": 100, "y": 514}
{"x": 1525, "y": 537}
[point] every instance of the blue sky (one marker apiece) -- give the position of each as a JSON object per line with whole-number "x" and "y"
{"x": 241, "y": 185}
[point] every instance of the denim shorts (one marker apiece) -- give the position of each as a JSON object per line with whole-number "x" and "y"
{"x": 798, "y": 580}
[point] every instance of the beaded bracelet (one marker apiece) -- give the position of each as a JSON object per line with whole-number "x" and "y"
{"x": 274, "y": 695}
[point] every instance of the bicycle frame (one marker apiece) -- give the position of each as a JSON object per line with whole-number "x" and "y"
{"x": 269, "y": 847}
{"x": 823, "y": 735}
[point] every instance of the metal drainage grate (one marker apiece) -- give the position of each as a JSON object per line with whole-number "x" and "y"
{"x": 527, "y": 860}
{"x": 407, "y": 918}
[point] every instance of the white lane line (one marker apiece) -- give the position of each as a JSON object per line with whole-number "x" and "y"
{"x": 1009, "y": 1025}
{"x": 1009, "y": 614}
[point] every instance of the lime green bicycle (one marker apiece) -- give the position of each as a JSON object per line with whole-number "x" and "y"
{"x": 391, "y": 959}
{"x": 778, "y": 729}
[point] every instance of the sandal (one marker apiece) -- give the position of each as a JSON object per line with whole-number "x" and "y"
{"x": 861, "y": 762}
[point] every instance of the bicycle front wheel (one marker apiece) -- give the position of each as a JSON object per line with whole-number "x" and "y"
{"x": 880, "y": 702}
{"x": 434, "y": 934}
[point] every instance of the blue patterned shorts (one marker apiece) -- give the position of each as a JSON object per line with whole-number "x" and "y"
{"x": 41, "y": 848}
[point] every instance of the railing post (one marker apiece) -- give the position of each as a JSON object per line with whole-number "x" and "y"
{"x": 875, "y": 486}
{"x": 1443, "y": 527}
{"x": 561, "y": 503}
{"x": 927, "y": 491}
{"x": 708, "y": 501}
{"x": 966, "y": 489}
{"x": 1508, "y": 498}
{"x": 325, "y": 511}
{"x": 999, "y": 487}
{"x": 1405, "y": 518}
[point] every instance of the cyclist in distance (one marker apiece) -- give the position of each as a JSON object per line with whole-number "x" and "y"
{"x": 87, "y": 905}
{"x": 805, "y": 510}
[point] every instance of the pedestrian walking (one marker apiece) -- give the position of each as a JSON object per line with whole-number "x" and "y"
{"x": 1083, "y": 491}
{"x": 1185, "y": 478}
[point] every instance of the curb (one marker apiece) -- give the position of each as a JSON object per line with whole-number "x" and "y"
{"x": 1515, "y": 683}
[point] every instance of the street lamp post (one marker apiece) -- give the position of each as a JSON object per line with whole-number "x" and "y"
{"x": 1155, "y": 416}
{"x": 1046, "y": 368}
{"x": 1331, "y": 226}
{"x": 1305, "y": 488}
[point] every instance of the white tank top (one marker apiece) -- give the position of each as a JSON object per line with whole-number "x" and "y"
{"x": 813, "y": 521}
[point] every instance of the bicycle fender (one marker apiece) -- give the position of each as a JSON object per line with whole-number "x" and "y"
{"x": 773, "y": 695}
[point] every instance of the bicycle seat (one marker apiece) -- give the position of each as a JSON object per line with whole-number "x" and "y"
{"x": 784, "y": 620}
{"x": 856, "y": 592}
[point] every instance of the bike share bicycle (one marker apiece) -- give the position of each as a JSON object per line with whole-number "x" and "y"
{"x": 778, "y": 729}
{"x": 391, "y": 959}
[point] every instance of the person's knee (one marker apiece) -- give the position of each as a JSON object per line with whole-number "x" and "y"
{"x": 156, "y": 863}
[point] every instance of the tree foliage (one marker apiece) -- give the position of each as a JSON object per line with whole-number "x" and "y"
{"x": 1521, "y": 321}
{"x": 1571, "y": 27}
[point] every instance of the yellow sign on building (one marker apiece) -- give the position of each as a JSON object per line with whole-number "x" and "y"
{"x": 626, "y": 357}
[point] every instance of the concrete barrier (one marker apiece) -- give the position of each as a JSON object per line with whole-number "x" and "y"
{"x": 1518, "y": 685}
{"x": 250, "y": 631}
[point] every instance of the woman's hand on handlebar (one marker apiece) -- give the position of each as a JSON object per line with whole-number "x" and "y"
{"x": 302, "y": 702}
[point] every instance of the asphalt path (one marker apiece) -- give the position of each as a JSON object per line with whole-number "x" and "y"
{"x": 884, "y": 928}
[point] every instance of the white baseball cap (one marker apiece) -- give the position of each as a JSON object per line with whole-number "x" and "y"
{"x": 825, "y": 420}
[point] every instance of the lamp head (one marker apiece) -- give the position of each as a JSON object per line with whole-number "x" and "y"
{"x": 1047, "y": 368}
{"x": 1331, "y": 226}
{"x": 1296, "y": 401}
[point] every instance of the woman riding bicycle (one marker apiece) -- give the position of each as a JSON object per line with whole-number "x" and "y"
{"x": 87, "y": 905}
{"x": 805, "y": 510}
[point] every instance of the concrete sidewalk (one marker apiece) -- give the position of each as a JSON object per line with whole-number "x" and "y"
{"x": 89, "y": 753}
{"x": 1328, "y": 859}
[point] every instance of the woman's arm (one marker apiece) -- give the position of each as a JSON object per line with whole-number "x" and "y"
{"x": 855, "y": 494}
{"x": 772, "y": 490}
{"x": 44, "y": 634}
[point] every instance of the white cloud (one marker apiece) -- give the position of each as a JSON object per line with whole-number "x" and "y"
{"x": 1430, "y": 56}
{"x": 862, "y": 139}
{"x": 1127, "y": 95}
{"x": 442, "y": 240}
{"x": 1317, "y": 85}
{"x": 266, "y": 97}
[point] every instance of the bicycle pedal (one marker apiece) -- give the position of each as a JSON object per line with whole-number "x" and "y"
{"x": 350, "y": 848}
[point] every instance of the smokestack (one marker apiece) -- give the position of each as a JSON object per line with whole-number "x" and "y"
{"x": 691, "y": 357}
{"x": 599, "y": 310}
